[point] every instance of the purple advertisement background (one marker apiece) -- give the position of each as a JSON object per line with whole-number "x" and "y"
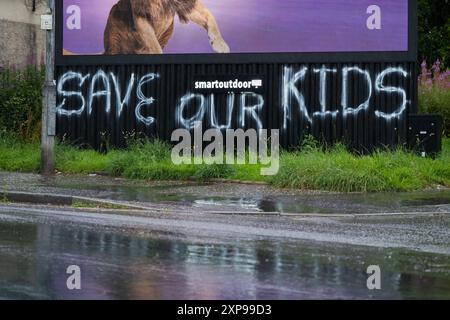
{"x": 264, "y": 26}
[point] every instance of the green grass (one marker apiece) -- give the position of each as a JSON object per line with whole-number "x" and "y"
{"x": 84, "y": 204}
{"x": 339, "y": 170}
{"x": 312, "y": 168}
{"x": 18, "y": 156}
{"x": 73, "y": 160}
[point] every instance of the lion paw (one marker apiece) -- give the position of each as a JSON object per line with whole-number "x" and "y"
{"x": 220, "y": 46}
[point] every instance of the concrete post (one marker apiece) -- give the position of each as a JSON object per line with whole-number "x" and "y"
{"x": 49, "y": 102}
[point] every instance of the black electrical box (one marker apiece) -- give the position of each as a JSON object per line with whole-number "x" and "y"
{"x": 425, "y": 134}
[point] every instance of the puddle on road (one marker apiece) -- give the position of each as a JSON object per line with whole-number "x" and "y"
{"x": 34, "y": 258}
{"x": 262, "y": 199}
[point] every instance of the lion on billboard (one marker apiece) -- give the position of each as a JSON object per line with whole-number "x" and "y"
{"x": 145, "y": 26}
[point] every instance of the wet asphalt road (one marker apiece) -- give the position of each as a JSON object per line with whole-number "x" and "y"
{"x": 190, "y": 196}
{"x": 201, "y": 255}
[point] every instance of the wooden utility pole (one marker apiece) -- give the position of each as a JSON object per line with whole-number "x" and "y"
{"x": 49, "y": 95}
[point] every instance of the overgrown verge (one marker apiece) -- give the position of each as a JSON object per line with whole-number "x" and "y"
{"x": 310, "y": 167}
{"x": 434, "y": 93}
{"x": 21, "y": 102}
{"x": 338, "y": 170}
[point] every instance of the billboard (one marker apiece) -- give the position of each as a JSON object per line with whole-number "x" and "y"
{"x": 341, "y": 70}
{"x": 117, "y": 27}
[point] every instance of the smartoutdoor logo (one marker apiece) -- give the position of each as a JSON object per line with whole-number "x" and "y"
{"x": 227, "y": 84}
{"x": 234, "y": 147}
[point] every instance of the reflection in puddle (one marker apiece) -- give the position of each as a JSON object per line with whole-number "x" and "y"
{"x": 259, "y": 199}
{"x": 34, "y": 258}
{"x": 246, "y": 204}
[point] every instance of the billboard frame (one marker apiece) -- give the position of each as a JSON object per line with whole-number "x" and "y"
{"x": 241, "y": 58}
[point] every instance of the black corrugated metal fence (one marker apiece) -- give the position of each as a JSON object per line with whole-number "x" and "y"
{"x": 364, "y": 104}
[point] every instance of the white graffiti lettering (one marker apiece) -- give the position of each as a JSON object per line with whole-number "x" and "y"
{"x": 290, "y": 89}
{"x": 120, "y": 103}
{"x": 143, "y": 100}
{"x": 363, "y": 106}
{"x": 379, "y": 86}
{"x": 230, "y": 108}
{"x": 102, "y": 78}
{"x": 323, "y": 92}
{"x": 68, "y": 76}
{"x": 251, "y": 109}
{"x": 106, "y": 91}
{"x": 190, "y": 123}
